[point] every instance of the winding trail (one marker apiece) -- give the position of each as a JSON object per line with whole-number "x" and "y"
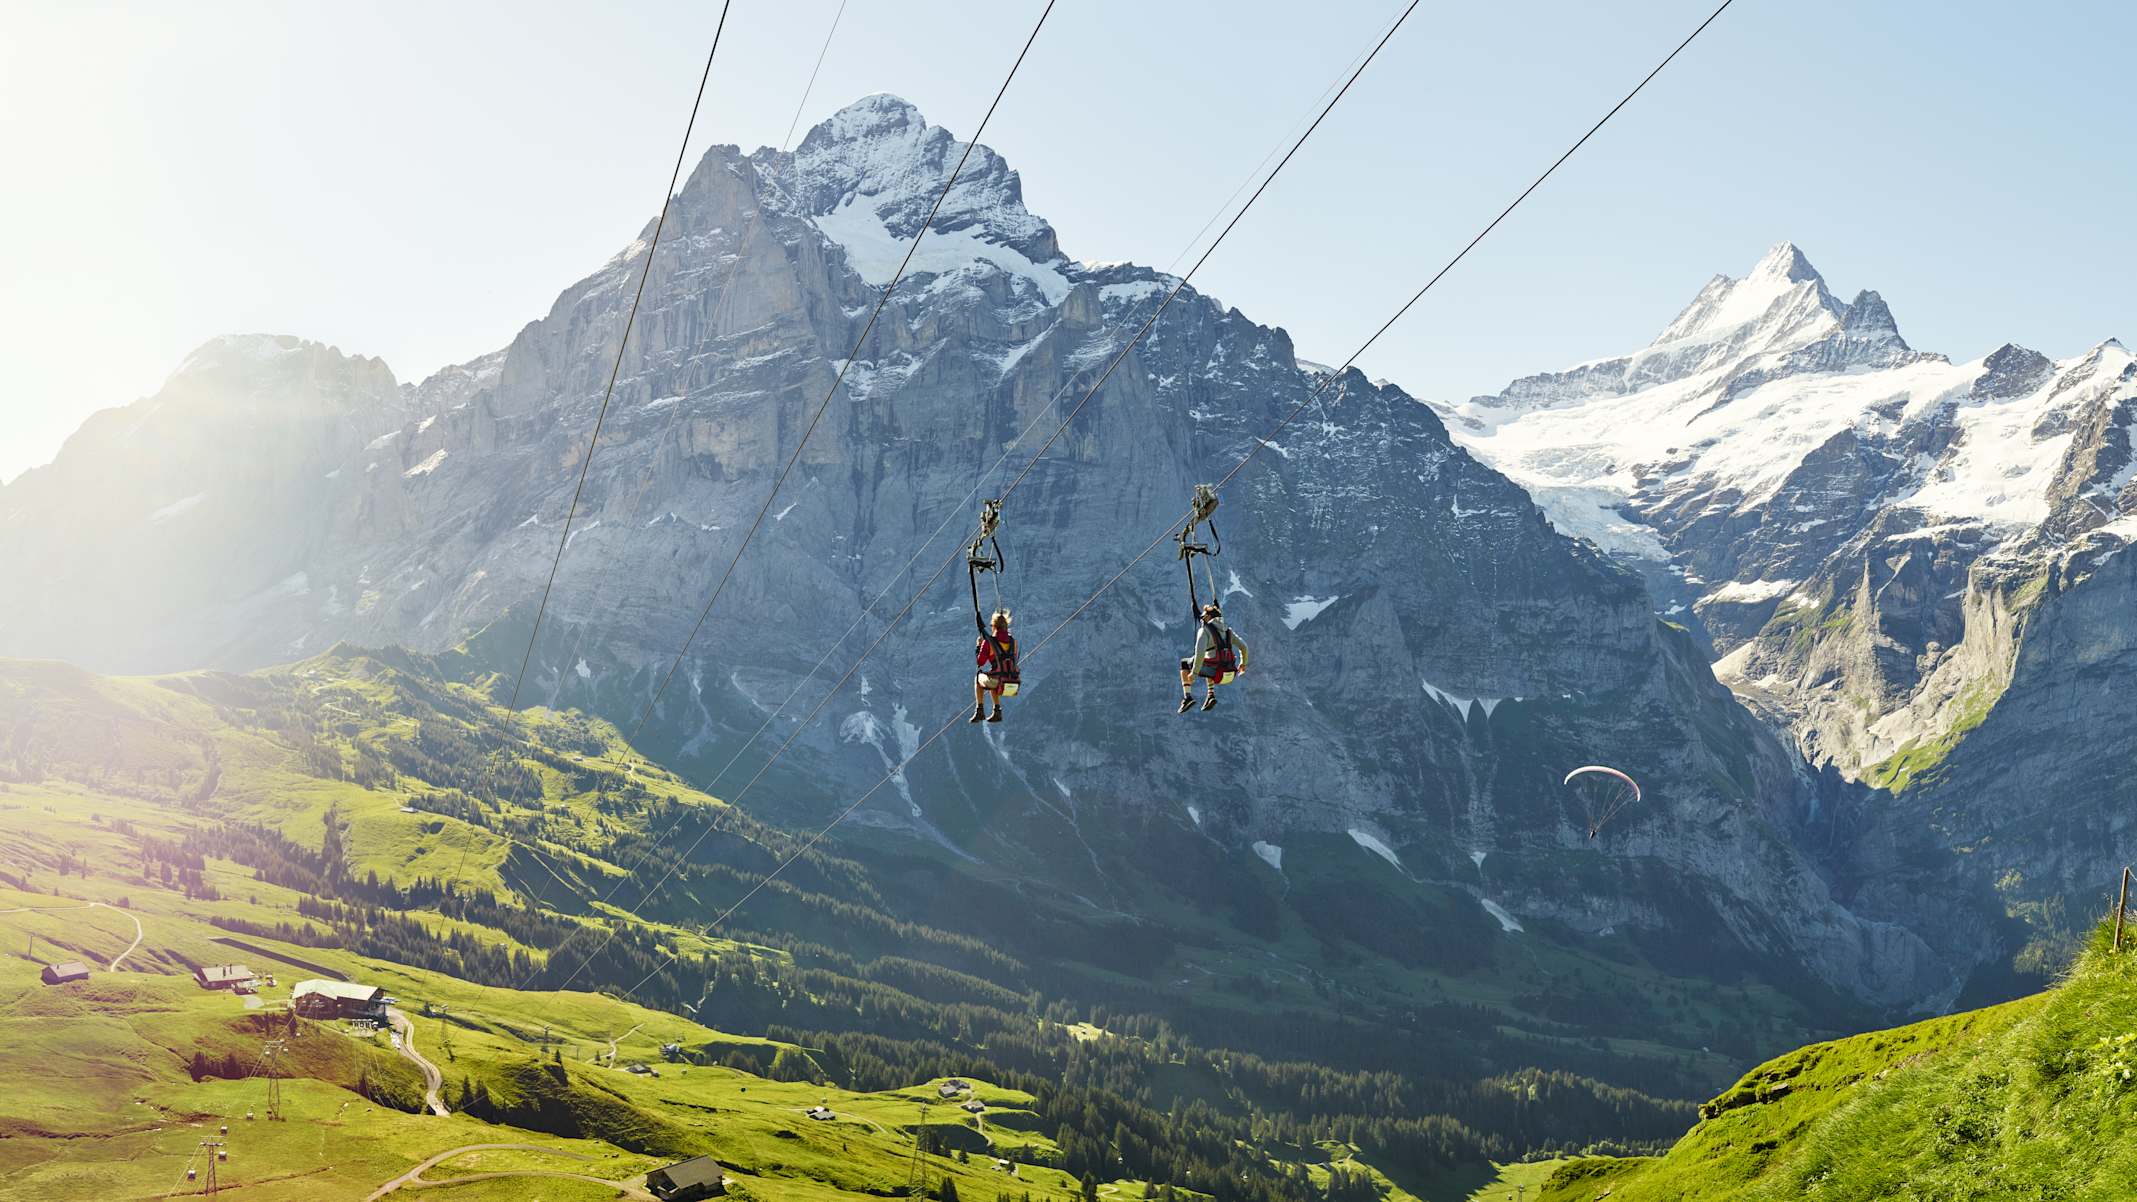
{"x": 139, "y": 934}
{"x": 413, "y": 1178}
{"x": 433, "y": 1080}
{"x": 612, "y": 1042}
{"x": 113, "y": 966}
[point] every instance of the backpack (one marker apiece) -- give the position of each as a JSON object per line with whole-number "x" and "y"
{"x": 1004, "y": 667}
{"x": 1224, "y": 662}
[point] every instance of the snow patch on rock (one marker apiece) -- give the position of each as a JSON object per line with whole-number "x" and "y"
{"x": 1507, "y": 922}
{"x": 426, "y": 467}
{"x": 874, "y": 252}
{"x": 176, "y": 507}
{"x": 1372, "y": 843}
{"x": 1300, "y": 610}
{"x": 1460, "y": 704}
{"x": 1750, "y": 592}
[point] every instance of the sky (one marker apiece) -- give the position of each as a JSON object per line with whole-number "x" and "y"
{"x": 417, "y": 181}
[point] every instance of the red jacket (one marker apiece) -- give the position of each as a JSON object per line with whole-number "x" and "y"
{"x": 986, "y": 649}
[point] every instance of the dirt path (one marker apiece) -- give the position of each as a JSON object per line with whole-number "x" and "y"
{"x": 433, "y": 1080}
{"x": 612, "y": 1042}
{"x": 139, "y": 934}
{"x": 622, "y": 1190}
{"x": 413, "y": 1178}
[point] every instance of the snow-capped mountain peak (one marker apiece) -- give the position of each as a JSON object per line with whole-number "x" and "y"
{"x": 1869, "y": 317}
{"x": 868, "y": 175}
{"x": 1782, "y": 295}
{"x": 1785, "y": 260}
{"x": 1767, "y": 394}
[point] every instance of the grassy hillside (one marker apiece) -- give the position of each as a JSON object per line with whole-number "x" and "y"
{"x": 112, "y": 1083}
{"x": 364, "y": 810}
{"x": 2036, "y": 1098}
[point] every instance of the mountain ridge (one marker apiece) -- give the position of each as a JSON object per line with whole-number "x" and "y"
{"x": 1502, "y": 650}
{"x": 1871, "y": 536}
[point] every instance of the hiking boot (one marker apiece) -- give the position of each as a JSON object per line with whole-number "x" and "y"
{"x": 1210, "y": 702}
{"x": 996, "y": 716}
{"x": 1187, "y": 702}
{"x": 979, "y": 714}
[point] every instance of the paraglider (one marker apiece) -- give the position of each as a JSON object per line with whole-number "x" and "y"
{"x": 1602, "y": 792}
{"x": 1219, "y": 655}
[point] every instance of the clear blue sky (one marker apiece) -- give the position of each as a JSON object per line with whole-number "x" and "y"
{"x": 417, "y": 180}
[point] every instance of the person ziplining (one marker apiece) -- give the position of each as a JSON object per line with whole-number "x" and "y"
{"x": 996, "y": 651}
{"x": 1219, "y": 656}
{"x": 1213, "y": 649}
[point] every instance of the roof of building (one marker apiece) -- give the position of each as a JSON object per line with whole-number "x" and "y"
{"x": 339, "y": 990}
{"x": 68, "y": 968}
{"x": 224, "y": 972}
{"x": 698, "y": 1170}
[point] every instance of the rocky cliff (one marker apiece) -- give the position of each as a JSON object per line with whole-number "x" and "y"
{"x": 1912, "y": 564}
{"x": 1432, "y": 650}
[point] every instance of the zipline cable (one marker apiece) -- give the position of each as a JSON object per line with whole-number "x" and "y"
{"x": 844, "y": 367}
{"x": 1472, "y": 243}
{"x": 950, "y": 516}
{"x": 608, "y": 394}
{"x": 954, "y": 719}
{"x": 1169, "y": 528}
{"x": 725, "y": 307}
{"x": 1207, "y": 252}
{"x": 1119, "y": 357}
{"x": 941, "y": 196}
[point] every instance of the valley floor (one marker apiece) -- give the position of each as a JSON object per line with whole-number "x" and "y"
{"x": 115, "y": 1084}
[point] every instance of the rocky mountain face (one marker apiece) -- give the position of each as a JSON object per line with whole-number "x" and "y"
{"x": 1915, "y": 565}
{"x": 1432, "y": 650}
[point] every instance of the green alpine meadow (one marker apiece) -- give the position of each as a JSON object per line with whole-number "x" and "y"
{"x": 1089, "y": 603}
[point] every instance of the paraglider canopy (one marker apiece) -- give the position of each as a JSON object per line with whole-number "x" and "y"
{"x": 1602, "y": 791}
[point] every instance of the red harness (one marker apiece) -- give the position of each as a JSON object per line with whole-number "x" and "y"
{"x": 1221, "y": 664}
{"x": 997, "y": 656}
